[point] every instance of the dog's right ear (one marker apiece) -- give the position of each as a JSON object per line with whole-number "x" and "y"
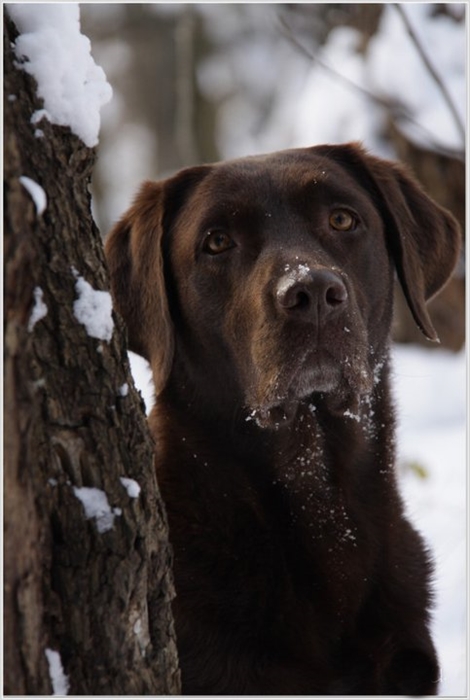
{"x": 133, "y": 251}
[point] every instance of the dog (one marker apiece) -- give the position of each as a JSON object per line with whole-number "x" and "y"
{"x": 260, "y": 290}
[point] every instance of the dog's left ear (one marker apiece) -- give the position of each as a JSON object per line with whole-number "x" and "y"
{"x": 424, "y": 238}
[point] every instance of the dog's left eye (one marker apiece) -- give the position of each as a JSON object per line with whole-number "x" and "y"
{"x": 217, "y": 242}
{"x": 342, "y": 220}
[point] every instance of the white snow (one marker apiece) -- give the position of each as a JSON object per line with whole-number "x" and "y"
{"x": 293, "y": 276}
{"x": 142, "y": 374}
{"x": 131, "y": 486}
{"x": 93, "y": 309}
{"x": 95, "y": 503}
{"x": 59, "y": 57}
{"x": 430, "y": 387}
{"x": 36, "y": 192}
{"x": 60, "y": 682}
{"x": 38, "y": 115}
{"x": 354, "y": 416}
{"x": 124, "y": 389}
{"x": 39, "y": 308}
{"x": 140, "y": 629}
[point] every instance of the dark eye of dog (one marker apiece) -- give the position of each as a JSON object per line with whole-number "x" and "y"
{"x": 342, "y": 220}
{"x": 217, "y": 242}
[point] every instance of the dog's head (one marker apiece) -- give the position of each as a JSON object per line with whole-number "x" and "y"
{"x": 270, "y": 278}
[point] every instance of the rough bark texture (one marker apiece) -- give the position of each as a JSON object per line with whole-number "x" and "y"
{"x": 102, "y": 600}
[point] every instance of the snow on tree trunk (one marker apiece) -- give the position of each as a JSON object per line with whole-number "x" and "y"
{"x": 87, "y": 579}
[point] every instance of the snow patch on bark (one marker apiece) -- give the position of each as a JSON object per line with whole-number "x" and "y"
{"x": 95, "y": 503}
{"x": 39, "y": 308}
{"x": 60, "y": 682}
{"x": 52, "y": 49}
{"x": 124, "y": 390}
{"x": 36, "y": 193}
{"x": 93, "y": 309}
{"x": 131, "y": 486}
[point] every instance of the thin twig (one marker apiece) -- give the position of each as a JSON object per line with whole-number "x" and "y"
{"x": 432, "y": 71}
{"x": 338, "y": 76}
{"x": 396, "y": 109}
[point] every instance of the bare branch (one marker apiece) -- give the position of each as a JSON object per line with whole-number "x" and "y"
{"x": 432, "y": 71}
{"x": 396, "y": 110}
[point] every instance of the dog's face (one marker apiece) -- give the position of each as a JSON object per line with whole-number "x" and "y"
{"x": 270, "y": 278}
{"x": 282, "y": 275}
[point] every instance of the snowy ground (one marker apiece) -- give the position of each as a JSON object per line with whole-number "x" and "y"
{"x": 430, "y": 392}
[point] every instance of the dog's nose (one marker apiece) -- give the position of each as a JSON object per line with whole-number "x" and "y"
{"x": 311, "y": 295}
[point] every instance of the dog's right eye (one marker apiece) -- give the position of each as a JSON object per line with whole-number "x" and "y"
{"x": 217, "y": 242}
{"x": 342, "y": 220}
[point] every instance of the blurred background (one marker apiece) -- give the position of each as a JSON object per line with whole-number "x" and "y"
{"x": 198, "y": 83}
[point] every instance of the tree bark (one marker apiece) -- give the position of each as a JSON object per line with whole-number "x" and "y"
{"x": 101, "y": 599}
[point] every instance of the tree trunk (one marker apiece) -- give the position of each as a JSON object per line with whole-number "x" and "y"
{"x": 94, "y": 586}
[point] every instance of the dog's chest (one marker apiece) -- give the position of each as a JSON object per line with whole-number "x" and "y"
{"x": 246, "y": 536}
{"x": 327, "y": 548}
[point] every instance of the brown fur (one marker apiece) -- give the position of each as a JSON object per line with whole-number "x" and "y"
{"x": 296, "y": 571}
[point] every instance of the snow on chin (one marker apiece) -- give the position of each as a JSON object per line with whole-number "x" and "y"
{"x": 58, "y": 56}
{"x": 276, "y": 399}
{"x": 281, "y": 410}
{"x": 273, "y": 417}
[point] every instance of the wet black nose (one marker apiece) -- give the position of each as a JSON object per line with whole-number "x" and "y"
{"x": 311, "y": 296}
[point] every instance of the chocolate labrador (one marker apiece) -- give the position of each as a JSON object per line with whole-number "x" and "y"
{"x": 261, "y": 291}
